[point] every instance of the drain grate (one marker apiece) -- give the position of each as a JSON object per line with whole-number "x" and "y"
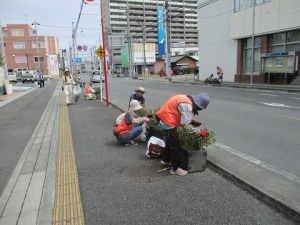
{"x": 144, "y": 174}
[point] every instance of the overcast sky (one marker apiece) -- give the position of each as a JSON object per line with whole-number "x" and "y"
{"x": 55, "y": 18}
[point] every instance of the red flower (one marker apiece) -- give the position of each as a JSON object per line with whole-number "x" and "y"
{"x": 203, "y": 133}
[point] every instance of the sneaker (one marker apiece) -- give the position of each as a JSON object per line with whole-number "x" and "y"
{"x": 166, "y": 163}
{"x": 131, "y": 142}
{"x": 179, "y": 172}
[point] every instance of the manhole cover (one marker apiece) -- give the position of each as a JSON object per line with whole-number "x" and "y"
{"x": 144, "y": 174}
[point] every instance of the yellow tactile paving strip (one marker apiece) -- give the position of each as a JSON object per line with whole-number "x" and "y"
{"x": 68, "y": 207}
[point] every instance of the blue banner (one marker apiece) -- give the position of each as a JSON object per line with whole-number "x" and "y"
{"x": 161, "y": 30}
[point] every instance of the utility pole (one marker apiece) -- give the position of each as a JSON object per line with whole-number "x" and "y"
{"x": 3, "y": 53}
{"x": 73, "y": 67}
{"x": 252, "y": 45}
{"x": 37, "y": 44}
{"x": 168, "y": 54}
{"x": 144, "y": 48}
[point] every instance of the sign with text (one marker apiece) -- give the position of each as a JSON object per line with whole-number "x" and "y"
{"x": 161, "y": 30}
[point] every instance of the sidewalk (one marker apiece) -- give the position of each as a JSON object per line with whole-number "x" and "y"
{"x": 120, "y": 185}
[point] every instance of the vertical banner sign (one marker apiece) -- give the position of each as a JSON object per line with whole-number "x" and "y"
{"x": 54, "y": 65}
{"x": 124, "y": 56}
{"x": 161, "y": 30}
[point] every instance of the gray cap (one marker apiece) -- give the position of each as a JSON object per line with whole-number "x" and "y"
{"x": 201, "y": 100}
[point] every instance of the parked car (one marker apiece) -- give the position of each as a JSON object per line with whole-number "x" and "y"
{"x": 12, "y": 77}
{"x": 95, "y": 76}
{"x": 27, "y": 77}
{"x": 178, "y": 71}
{"x": 162, "y": 73}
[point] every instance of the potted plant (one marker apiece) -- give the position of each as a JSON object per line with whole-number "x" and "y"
{"x": 97, "y": 92}
{"x": 194, "y": 141}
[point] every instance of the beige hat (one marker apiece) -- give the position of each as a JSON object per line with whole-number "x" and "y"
{"x": 140, "y": 89}
{"x": 67, "y": 70}
{"x": 134, "y": 105}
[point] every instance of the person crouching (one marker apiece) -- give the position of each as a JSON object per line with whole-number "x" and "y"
{"x": 130, "y": 126}
{"x": 90, "y": 92}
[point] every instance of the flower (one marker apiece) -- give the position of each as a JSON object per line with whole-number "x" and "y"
{"x": 191, "y": 136}
{"x": 195, "y": 138}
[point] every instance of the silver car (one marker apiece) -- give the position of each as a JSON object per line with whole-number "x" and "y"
{"x": 95, "y": 76}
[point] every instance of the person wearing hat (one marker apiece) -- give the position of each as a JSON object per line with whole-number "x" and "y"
{"x": 67, "y": 85}
{"x": 178, "y": 111}
{"x": 138, "y": 96}
{"x": 130, "y": 126}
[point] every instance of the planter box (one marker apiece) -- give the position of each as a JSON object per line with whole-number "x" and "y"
{"x": 194, "y": 161}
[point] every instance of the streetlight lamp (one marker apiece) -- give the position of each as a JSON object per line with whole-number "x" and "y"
{"x": 37, "y": 44}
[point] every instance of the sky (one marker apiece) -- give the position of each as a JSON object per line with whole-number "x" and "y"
{"x": 55, "y": 18}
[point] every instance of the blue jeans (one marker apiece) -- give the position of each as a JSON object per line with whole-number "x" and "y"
{"x": 135, "y": 132}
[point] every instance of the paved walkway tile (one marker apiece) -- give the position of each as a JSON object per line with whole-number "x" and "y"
{"x": 68, "y": 207}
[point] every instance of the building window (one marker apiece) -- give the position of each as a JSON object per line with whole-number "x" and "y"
{"x": 240, "y": 5}
{"x": 248, "y": 55}
{"x": 19, "y": 45}
{"x": 40, "y": 44}
{"x": 35, "y": 58}
{"x": 293, "y": 41}
{"x": 17, "y": 32}
{"x": 20, "y": 59}
{"x": 285, "y": 42}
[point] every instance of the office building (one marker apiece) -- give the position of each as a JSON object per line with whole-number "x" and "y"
{"x": 137, "y": 20}
{"x": 227, "y": 29}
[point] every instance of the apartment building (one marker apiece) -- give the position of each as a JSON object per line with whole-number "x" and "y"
{"x": 137, "y": 19}
{"x": 226, "y": 30}
{"x": 25, "y": 50}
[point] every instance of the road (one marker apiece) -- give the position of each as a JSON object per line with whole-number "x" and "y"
{"x": 262, "y": 126}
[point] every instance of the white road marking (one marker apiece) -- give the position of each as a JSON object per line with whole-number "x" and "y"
{"x": 272, "y": 168}
{"x": 268, "y": 94}
{"x": 278, "y": 105}
{"x": 295, "y": 98}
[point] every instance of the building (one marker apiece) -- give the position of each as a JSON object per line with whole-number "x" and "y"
{"x": 135, "y": 21}
{"x": 226, "y": 29}
{"x": 25, "y": 50}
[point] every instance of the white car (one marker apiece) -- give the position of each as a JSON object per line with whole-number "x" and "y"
{"x": 95, "y": 76}
{"x": 12, "y": 77}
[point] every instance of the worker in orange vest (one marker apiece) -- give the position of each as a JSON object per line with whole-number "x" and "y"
{"x": 178, "y": 111}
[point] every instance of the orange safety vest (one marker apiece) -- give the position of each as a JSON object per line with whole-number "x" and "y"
{"x": 88, "y": 90}
{"x": 169, "y": 114}
{"x": 123, "y": 127}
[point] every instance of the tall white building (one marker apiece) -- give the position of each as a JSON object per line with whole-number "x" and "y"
{"x": 136, "y": 18}
{"x": 226, "y": 30}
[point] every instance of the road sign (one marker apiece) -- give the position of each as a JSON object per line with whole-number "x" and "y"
{"x": 100, "y": 52}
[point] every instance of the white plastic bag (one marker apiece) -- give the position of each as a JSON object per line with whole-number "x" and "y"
{"x": 155, "y": 147}
{"x": 77, "y": 90}
{"x": 120, "y": 117}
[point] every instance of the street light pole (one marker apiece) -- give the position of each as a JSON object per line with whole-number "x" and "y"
{"x": 168, "y": 54}
{"x": 252, "y": 44}
{"x": 144, "y": 48}
{"x": 37, "y": 44}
